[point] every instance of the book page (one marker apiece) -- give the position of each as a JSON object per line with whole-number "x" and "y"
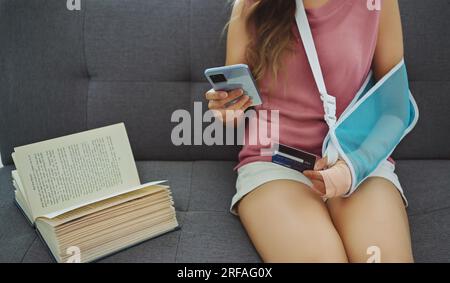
{"x": 77, "y": 169}
{"x": 18, "y": 183}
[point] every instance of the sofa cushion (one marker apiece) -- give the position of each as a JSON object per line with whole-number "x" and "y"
{"x": 426, "y": 184}
{"x": 136, "y": 62}
{"x": 202, "y": 192}
{"x": 430, "y": 234}
{"x": 214, "y": 236}
{"x": 213, "y": 185}
{"x": 428, "y": 140}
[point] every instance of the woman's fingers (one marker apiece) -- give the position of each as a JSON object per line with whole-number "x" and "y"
{"x": 317, "y": 181}
{"x": 232, "y": 95}
{"x": 215, "y": 95}
{"x": 247, "y": 105}
{"x": 240, "y": 103}
{"x": 320, "y": 164}
{"x": 315, "y": 175}
{"x": 220, "y": 103}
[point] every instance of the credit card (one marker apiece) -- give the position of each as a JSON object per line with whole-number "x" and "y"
{"x": 293, "y": 158}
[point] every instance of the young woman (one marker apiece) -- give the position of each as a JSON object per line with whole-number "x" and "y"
{"x": 285, "y": 219}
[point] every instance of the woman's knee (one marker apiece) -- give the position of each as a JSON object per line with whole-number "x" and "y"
{"x": 373, "y": 217}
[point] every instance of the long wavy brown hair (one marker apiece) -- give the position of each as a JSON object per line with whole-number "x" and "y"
{"x": 269, "y": 24}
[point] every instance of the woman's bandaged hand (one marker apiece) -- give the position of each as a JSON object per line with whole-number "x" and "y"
{"x": 331, "y": 181}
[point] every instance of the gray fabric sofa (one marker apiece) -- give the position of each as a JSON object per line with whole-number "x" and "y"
{"x": 137, "y": 61}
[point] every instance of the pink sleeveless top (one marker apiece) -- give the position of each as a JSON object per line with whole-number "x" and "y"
{"x": 345, "y": 34}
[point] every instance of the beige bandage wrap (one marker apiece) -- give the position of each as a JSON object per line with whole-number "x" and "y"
{"x": 337, "y": 179}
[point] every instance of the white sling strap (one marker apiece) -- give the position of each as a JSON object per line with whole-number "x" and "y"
{"x": 311, "y": 53}
{"x": 329, "y": 102}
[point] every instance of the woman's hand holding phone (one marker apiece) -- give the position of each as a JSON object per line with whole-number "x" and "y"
{"x": 228, "y": 105}
{"x": 234, "y": 90}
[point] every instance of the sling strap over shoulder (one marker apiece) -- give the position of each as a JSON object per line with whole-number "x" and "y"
{"x": 329, "y": 101}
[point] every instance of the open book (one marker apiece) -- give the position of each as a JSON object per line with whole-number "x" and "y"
{"x": 83, "y": 195}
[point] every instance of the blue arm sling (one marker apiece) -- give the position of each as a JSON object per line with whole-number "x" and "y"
{"x": 378, "y": 118}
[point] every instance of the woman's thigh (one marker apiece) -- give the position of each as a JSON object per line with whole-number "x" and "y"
{"x": 287, "y": 222}
{"x": 373, "y": 219}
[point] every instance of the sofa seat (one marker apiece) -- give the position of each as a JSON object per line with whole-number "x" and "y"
{"x": 202, "y": 192}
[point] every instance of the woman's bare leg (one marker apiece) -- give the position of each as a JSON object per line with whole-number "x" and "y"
{"x": 373, "y": 216}
{"x": 287, "y": 222}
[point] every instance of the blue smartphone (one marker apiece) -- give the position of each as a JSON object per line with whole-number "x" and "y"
{"x": 232, "y": 77}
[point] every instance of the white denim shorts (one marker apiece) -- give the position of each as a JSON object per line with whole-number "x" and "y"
{"x": 253, "y": 175}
